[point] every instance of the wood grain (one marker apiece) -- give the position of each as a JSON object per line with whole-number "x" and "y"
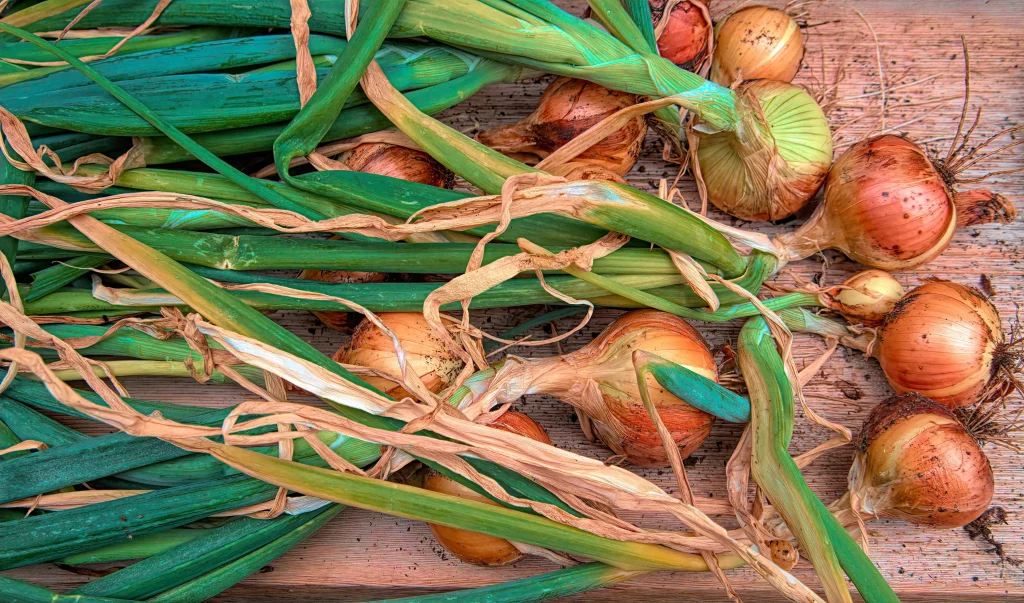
{"x": 363, "y": 555}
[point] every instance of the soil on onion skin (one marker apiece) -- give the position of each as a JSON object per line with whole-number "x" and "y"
{"x": 982, "y": 528}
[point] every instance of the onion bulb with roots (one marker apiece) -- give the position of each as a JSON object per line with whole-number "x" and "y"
{"x": 757, "y": 42}
{"x": 383, "y": 159}
{"x": 915, "y": 461}
{"x": 568, "y": 108}
{"x": 471, "y": 547}
{"x": 887, "y": 205}
{"x": 775, "y": 161}
{"x": 945, "y": 341}
{"x": 600, "y": 380}
{"x": 425, "y": 352}
{"x": 865, "y": 298}
{"x": 682, "y": 33}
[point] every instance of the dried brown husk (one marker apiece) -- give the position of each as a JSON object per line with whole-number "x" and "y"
{"x": 567, "y": 108}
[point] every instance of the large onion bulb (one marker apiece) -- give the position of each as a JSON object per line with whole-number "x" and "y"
{"x": 887, "y": 205}
{"x": 756, "y": 176}
{"x": 915, "y": 461}
{"x": 425, "y": 352}
{"x": 757, "y": 42}
{"x": 600, "y": 380}
{"x": 945, "y": 341}
{"x": 568, "y": 108}
{"x": 471, "y": 547}
{"x": 682, "y": 33}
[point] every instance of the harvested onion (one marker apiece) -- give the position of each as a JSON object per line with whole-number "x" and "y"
{"x": 945, "y": 341}
{"x": 757, "y": 42}
{"x": 682, "y": 33}
{"x": 425, "y": 353}
{"x": 600, "y": 380}
{"x": 768, "y": 177}
{"x": 401, "y": 162}
{"x": 887, "y": 205}
{"x": 866, "y": 297}
{"x": 471, "y": 547}
{"x": 567, "y": 108}
{"x": 915, "y": 461}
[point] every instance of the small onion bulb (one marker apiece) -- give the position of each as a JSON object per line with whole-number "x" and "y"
{"x": 915, "y": 461}
{"x": 600, "y": 380}
{"x": 866, "y": 297}
{"x": 568, "y": 108}
{"x": 425, "y": 352}
{"x": 753, "y": 176}
{"x": 683, "y": 33}
{"x": 945, "y": 341}
{"x": 471, "y": 547}
{"x": 757, "y": 42}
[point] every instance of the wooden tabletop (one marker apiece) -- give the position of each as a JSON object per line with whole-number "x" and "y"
{"x": 362, "y": 555}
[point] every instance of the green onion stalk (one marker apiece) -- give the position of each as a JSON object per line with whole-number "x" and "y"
{"x": 205, "y": 102}
{"x": 822, "y": 538}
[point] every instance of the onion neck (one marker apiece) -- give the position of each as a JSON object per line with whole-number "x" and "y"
{"x": 803, "y": 321}
{"x": 812, "y": 237}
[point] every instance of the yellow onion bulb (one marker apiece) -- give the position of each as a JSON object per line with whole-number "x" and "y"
{"x": 915, "y": 461}
{"x": 425, "y": 352}
{"x": 757, "y": 42}
{"x": 618, "y": 413}
{"x": 866, "y": 297}
{"x": 682, "y": 34}
{"x": 568, "y": 108}
{"x": 776, "y": 161}
{"x": 945, "y": 341}
{"x": 400, "y": 162}
{"x": 885, "y": 206}
{"x": 471, "y": 547}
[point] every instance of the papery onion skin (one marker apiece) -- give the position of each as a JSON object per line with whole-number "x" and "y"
{"x": 401, "y": 162}
{"x": 982, "y": 206}
{"x": 915, "y": 461}
{"x": 568, "y": 108}
{"x": 684, "y": 34}
{"x": 757, "y": 42}
{"x": 471, "y": 547}
{"x": 866, "y": 297}
{"x": 943, "y": 340}
{"x": 618, "y": 413}
{"x": 426, "y": 353}
{"x": 585, "y": 171}
{"x": 756, "y": 176}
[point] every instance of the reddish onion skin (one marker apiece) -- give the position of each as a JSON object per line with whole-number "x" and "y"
{"x": 684, "y": 34}
{"x": 915, "y": 461}
{"x": 982, "y": 206}
{"x": 568, "y": 108}
{"x": 885, "y": 206}
{"x": 471, "y": 547}
{"x": 942, "y": 340}
{"x": 400, "y": 162}
{"x": 618, "y": 413}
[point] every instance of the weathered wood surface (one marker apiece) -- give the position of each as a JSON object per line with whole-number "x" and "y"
{"x": 362, "y": 555}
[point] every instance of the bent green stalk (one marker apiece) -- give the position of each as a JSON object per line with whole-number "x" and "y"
{"x": 825, "y": 541}
{"x": 13, "y": 206}
{"x": 139, "y": 547}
